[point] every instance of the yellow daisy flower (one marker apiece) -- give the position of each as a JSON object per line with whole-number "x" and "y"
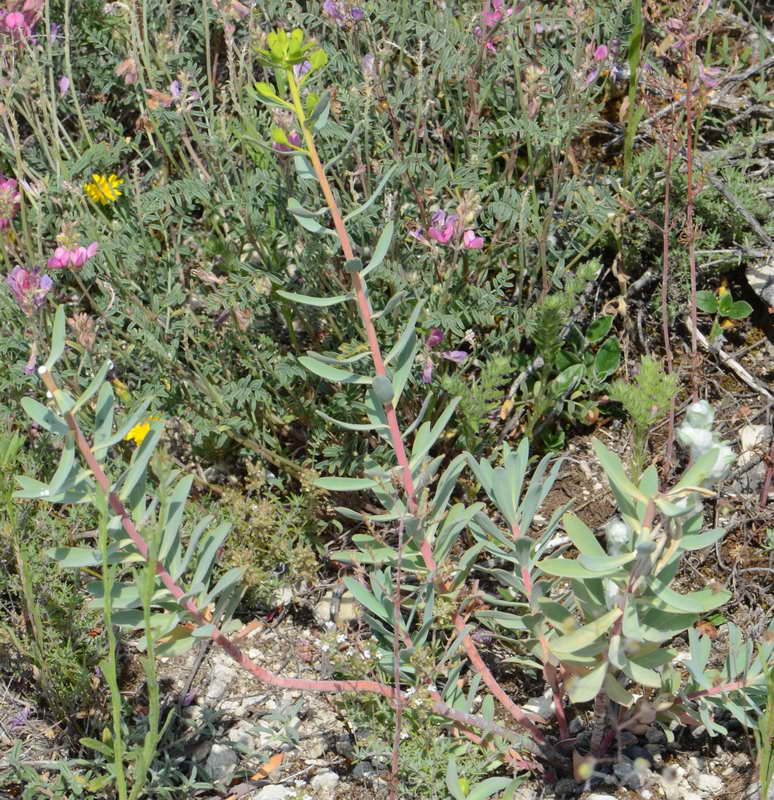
{"x": 104, "y": 190}
{"x": 138, "y": 433}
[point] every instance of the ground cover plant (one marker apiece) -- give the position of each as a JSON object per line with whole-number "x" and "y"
{"x": 348, "y": 280}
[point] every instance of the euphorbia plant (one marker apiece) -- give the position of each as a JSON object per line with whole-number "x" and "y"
{"x": 594, "y": 625}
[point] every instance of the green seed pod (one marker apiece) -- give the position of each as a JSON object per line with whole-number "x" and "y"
{"x": 382, "y": 387}
{"x": 353, "y": 265}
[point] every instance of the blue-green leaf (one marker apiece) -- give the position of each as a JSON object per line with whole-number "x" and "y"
{"x": 318, "y": 302}
{"x": 57, "y": 338}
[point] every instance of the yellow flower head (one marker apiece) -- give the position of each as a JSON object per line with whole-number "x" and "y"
{"x": 104, "y": 190}
{"x": 723, "y": 288}
{"x": 140, "y": 431}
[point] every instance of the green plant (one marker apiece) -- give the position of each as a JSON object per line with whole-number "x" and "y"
{"x": 764, "y": 739}
{"x": 645, "y": 401}
{"x": 724, "y": 308}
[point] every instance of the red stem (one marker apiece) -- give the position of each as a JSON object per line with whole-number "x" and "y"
{"x": 664, "y": 304}
{"x": 689, "y": 226}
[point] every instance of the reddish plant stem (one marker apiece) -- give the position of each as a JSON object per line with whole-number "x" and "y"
{"x": 689, "y": 225}
{"x": 438, "y": 706}
{"x": 550, "y": 672}
{"x": 664, "y": 302}
{"x": 494, "y": 687}
{"x": 397, "y": 622}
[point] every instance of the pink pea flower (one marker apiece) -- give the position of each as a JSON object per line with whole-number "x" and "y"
{"x": 471, "y": 241}
{"x": 294, "y": 138}
{"x": 601, "y": 53}
{"x": 29, "y": 288}
{"x": 443, "y": 227}
{"x": 489, "y": 19}
{"x": 64, "y": 85}
{"x": 709, "y": 75}
{"x": 74, "y": 258}
{"x": 9, "y": 201}
{"x": 434, "y": 338}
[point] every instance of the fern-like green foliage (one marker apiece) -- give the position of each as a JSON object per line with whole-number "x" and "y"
{"x": 479, "y": 396}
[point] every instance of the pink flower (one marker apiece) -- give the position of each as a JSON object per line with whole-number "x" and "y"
{"x": 427, "y": 371}
{"x": 64, "y": 85}
{"x": 434, "y": 338}
{"x": 489, "y": 19}
{"x": 457, "y": 356}
{"x": 74, "y": 258}
{"x": 601, "y": 53}
{"x": 443, "y": 227}
{"x": 471, "y": 241}
{"x": 29, "y": 288}
{"x": 9, "y": 201}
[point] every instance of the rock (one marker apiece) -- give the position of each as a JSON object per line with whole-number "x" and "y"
{"x": 760, "y": 276}
{"x": 363, "y": 771}
{"x": 755, "y": 440}
{"x": 276, "y": 792}
{"x": 340, "y": 610}
{"x": 222, "y": 673}
{"x": 325, "y": 782}
{"x": 242, "y": 735}
{"x": 543, "y": 705}
{"x": 597, "y": 796}
{"x": 655, "y": 736}
{"x": 345, "y": 746}
{"x": 565, "y": 786}
{"x": 201, "y": 751}
{"x": 709, "y": 784}
{"x": 221, "y": 762}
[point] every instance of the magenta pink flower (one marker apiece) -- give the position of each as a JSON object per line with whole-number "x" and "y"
{"x": 471, "y": 241}
{"x": 434, "y": 338}
{"x": 9, "y": 201}
{"x": 601, "y": 53}
{"x": 74, "y": 258}
{"x": 443, "y": 227}
{"x": 29, "y": 288}
{"x": 18, "y": 23}
{"x": 489, "y": 19}
{"x": 294, "y": 138}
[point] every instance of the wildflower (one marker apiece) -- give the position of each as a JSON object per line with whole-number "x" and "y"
{"x": 74, "y": 258}
{"x": 294, "y": 141}
{"x": 434, "y": 338}
{"x": 140, "y": 431}
{"x": 443, "y": 227}
{"x": 471, "y": 241}
{"x": 9, "y": 201}
{"x": 104, "y": 190}
{"x": 341, "y": 13}
{"x": 64, "y": 85}
{"x": 128, "y": 70}
{"x": 446, "y": 228}
{"x": 19, "y": 719}
{"x": 83, "y": 325}
{"x": 299, "y": 70}
{"x": 490, "y": 19}
{"x": 29, "y": 288}
{"x": 19, "y": 22}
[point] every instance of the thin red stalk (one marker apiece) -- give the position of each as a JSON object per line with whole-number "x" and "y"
{"x": 494, "y": 687}
{"x": 764, "y": 496}
{"x": 397, "y": 622}
{"x": 438, "y": 706}
{"x": 549, "y": 671}
{"x": 664, "y": 304}
{"x": 690, "y": 232}
{"x": 364, "y": 307}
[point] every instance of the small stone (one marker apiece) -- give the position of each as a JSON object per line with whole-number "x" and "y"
{"x": 655, "y": 736}
{"x": 363, "y": 771}
{"x": 325, "y": 781}
{"x": 565, "y": 786}
{"x": 709, "y": 784}
{"x": 276, "y": 792}
{"x": 242, "y": 735}
{"x": 221, "y": 675}
{"x": 597, "y": 796}
{"x": 221, "y": 762}
{"x": 201, "y": 751}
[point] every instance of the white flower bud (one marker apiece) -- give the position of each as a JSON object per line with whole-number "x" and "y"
{"x": 618, "y": 535}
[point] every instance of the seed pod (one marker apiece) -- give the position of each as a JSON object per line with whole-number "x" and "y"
{"x": 382, "y": 387}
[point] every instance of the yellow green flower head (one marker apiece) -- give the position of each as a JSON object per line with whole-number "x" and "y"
{"x": 138, "y": 433}
{"x": 102, "y": 189}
